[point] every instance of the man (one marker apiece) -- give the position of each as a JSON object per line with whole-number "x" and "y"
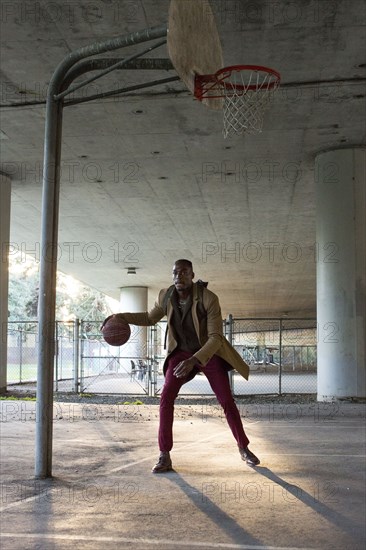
{"x": 195, "y": 343}
{"x": 142, "y": 369}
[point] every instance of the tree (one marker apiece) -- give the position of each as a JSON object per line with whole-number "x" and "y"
{"x": 84, "y": 303}
{"x": 73, "y": 298}
{"x": 23, "y": 292}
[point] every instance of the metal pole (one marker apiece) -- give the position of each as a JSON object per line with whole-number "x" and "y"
{"x": 20, "y": 353}
{"x": 229, "y": 337}
{"x": 117, "y": 65}
{"x": 101, "y": 47}
{"x": 82, "y": 353}
{"x": 47, "y": 289}
{"x": 49, "y": 240}
{"x": 57, "y": 355}
{"x": 154, "y": 363}
{"x": 76, "y": 336}
{"x": 104, "y": 95}
{"x": 96, "y": 64}
{"x": 280, "y": 367}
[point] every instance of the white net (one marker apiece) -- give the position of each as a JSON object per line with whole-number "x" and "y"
{"x": 247, "y": 95}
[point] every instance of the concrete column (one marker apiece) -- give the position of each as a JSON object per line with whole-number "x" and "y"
{"x": 133, "y": 299}
{"x": 341, "y": 272}
{"x": 5, "y": 197}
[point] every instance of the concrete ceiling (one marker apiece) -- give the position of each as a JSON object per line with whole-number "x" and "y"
{"x": 148, "y": 178}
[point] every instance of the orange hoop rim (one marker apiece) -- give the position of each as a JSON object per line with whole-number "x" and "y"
{"x": 226, "y": 72}
{"x": 215, "y": 85}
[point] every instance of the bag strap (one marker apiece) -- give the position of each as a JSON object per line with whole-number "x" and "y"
{"x": 200, "y": 286}
{"x": 167, "y": 298}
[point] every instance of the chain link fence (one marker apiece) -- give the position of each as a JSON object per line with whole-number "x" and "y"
{"x": 23, "y": 351}
{"x": 281, "y": 354}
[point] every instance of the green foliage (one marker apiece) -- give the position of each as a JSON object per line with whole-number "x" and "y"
{"x": 23, "y": 295}
{"x": 16, "y": 398}
{"x": 73, "y": 299}
{"x": 88, "y": 303}
{"x": 137, "y": 402}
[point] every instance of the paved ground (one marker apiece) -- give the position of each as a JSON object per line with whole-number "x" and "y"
{"x": 263, "y": 383}
{"x": 260, "y": 383}
{"x": 308, "y": 491}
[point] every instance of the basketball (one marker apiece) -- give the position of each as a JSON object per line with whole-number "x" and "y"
{"x": 116, "y": 331}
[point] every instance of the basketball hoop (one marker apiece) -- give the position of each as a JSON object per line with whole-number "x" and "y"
{"x": 246, "y": 90}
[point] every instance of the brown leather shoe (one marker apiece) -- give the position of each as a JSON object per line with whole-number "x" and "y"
{"x": 164, "y": 464}
{"x": 249, "y": 457}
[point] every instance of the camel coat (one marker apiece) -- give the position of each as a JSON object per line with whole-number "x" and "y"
{"x": 208, "y": 330}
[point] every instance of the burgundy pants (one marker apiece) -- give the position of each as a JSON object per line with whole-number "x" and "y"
{"x": 217, "y": 376}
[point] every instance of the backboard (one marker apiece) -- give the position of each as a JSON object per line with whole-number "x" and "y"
{"x": 194, "y": 44}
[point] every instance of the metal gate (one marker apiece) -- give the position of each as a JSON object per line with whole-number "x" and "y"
{"x": 106, "y": 369}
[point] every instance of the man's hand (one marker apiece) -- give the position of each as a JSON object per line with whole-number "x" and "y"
{"x": 185, "y": 367}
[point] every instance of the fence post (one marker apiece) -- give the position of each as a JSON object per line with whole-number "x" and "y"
{"x": 280, "y": 366}
{"x": 229, "y": 337}
{"x": 20, "y": 353}
{"x": 153, "y": 338}
{"x": 56, "y": 373}
{"x": 76, "y": 354}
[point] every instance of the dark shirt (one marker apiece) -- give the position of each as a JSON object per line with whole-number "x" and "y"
{"x": 182, "y": 324}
